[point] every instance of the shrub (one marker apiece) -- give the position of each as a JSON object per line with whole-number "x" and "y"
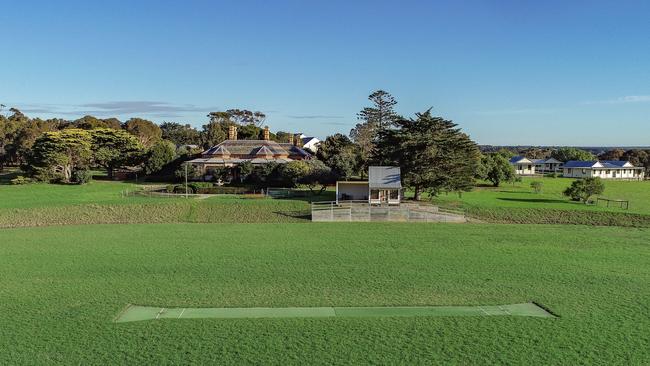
{"x": 581, "y": 190}
{"x": 19, "y": 180}
{"x": 192, "y": 172}
{"x": 536, "y": 186}
{"x": 82, "y": 176}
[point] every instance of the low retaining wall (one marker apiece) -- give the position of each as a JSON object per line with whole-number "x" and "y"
{"x": 363, "y": 212}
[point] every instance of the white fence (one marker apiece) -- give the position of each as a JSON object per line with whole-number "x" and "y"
{"x": 353, "y": 211}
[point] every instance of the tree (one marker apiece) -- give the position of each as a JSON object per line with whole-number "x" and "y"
{"x": 537, "y": 153}
{"x": 583, "y": 189}
{"x": 318, "y": 174}
{"x": 90, "y": 122}
{"x": 382, "y": 113}
{"x": 265, "y": 175}
{"x": 340, "y": 154}
{"x": 372, "y": 119}
{"x": 56, "y": 156}
{"x": 282, "y": 136}
{"x": 159, "y": 155}
{"x": 245, "y": 169}
{"x": 146, "y": 131}
{"x": 615, "y": 154}
{"x": 249, "y": 132}
{"x": 638, "y": 158}
{"x": 245, "y": 117}
{"x": 25, "y": 135}
{"x": 496, "y": 168}
{"x": 433, "y": 154}
{"x": 115, "y": 148}
{"x": 570, "y": 153}
{"x": 180, "y": 134}
{"x": 212, "y": 134}
{"x": 294, "y": 171}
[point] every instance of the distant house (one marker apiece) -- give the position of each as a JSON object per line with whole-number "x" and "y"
{"x": 523, "y": 165}
{"x": 310, "y": 143}
{"x": 384, "y": 185}
{"x": 232, "y": 152}
{"x": 549, "y": 165}
{"x": 606, "y": 169}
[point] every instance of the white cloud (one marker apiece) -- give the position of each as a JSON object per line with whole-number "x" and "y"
{"x": 624, "y": 100}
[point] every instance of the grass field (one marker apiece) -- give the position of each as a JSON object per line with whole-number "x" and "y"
{"x": 62, "y": 286}
{"x": 521, "y": 195}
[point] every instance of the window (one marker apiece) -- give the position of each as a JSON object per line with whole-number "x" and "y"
{"x": 374, "y": 194}
{"x": 394, "y": 194}
{"x": 584, "y": 171}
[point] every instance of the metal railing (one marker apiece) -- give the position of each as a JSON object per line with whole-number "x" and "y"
{"x": 353, "y": 211}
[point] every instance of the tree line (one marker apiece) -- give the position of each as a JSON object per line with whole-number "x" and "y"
{"x": 64, "y": 150}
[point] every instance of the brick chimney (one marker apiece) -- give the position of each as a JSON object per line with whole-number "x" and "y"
{"x": 267, "y": 136}
{"x": 297, "y": 141}
{"x": 232, "y": 133}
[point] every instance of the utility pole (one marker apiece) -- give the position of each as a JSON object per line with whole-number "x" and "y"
{"x": 186, "y": 196}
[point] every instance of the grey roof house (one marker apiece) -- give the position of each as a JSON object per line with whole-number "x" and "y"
{"x": 384, "y": 185}
{"x": 605, "y": 169}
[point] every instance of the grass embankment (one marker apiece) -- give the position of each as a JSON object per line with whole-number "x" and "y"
{"x": 170, "y": 210}
{"x": 102, "y": 202}
{"x": 519, "y": 204}
{"x": 62, "y": 286}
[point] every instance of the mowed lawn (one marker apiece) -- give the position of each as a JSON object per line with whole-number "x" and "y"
{"x": 61, "y": 287}
{"x": 55, "y": 195}
{"x": 520, "y": 194}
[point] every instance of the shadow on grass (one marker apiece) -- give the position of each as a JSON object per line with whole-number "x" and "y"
{"x": 302, "y": 215}
{"x": 534, "y": 200}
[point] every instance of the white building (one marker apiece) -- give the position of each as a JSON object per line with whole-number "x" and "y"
{"x": 523, "y": 165}
{"x": 384, "y": 185}
{"x": 310, "y": 143}
{"x": 608, "y": 169}
{"x": 549, "y": 165}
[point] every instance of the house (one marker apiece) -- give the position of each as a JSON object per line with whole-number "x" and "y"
{"x": 310, "y": 143}
{"x": 232, "y": 152}
{"x": 384, "y": 185}
{"x": 606, "y": 169}
{"x": 549, "y": 165}
{"x": 523, "y": 165}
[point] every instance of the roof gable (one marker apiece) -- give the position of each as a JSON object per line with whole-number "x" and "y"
{"x": 619, "y": 163}
{"x": 520, "y": 160}
{"x": 264, "y": 151}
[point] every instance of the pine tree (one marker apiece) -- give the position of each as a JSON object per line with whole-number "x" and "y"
{"x": 433, "y": 154}
{"x": 372, "y": 119}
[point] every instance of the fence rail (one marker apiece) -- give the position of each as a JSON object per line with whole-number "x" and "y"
{"x": 363, "y": 211}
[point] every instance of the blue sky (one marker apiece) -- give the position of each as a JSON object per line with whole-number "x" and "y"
{"x": 509, "y": 72}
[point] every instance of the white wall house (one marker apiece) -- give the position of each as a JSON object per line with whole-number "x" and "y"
{"x": 310, "y": 143}
{"x": 523, "y": 165}
{"x": 384, "y": 185}
{"x": 608, "y": 169}
{"x": 550, "y": 165}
